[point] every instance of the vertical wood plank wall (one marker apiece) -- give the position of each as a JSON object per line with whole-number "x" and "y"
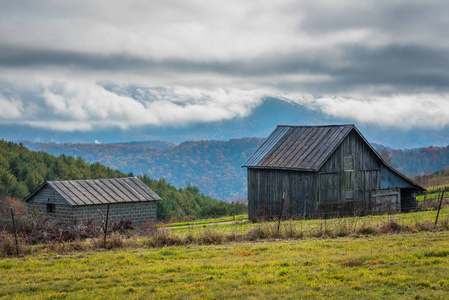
{"x": 338, "y": 185}
{"x": 306, "y": 190}
{"x": 267, "y": 187}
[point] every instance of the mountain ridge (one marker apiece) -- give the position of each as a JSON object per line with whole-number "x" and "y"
{"x": 215, "y": 165}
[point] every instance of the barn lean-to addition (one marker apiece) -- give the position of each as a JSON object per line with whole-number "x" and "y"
{"x": 330, "y": 170}
{"x": 88, "y": 199}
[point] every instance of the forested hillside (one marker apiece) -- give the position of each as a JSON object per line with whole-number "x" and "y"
{"x": 213, "y": 166}
{"x": 22, "y": 171}
{"x": 418, "y": 161}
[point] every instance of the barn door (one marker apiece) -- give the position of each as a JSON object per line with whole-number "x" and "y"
{"x": 386, "y": 201}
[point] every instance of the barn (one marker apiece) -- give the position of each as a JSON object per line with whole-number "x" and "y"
{"x": 316, "y": 171}
{"x": 88, "y": 199}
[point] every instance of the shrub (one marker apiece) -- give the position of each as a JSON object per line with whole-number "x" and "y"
{"x": 7, "y": 244}
{"x": 112, "y": 242}
{"x": 123, "y": 226}
{"x": 149, "y": 227}
{"x": 210, "y": 237}
{"x": 342, "y": 229}
{"x": 162, "y": 237}
{"x": 391, "y": 226}
{"x": 290, "y": 230}
{"x": 445, "y": 223}
{"x": 258, "y": 233}
{"x": 367, "y": 229}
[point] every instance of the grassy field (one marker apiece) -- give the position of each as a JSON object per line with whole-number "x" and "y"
{"x": 377, "y": 257}
{"x": 377, "y": 267}
{"x": 206, "y": 221}
{"x": 310, "y": 227}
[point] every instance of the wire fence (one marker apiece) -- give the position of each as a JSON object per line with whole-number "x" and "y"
{"x": 43, "y": 229}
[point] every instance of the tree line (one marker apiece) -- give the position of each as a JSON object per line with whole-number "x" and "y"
{"x": 22, "y": 171}
{"x": 213, "y": 166}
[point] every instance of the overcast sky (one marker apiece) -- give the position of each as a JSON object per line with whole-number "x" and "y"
{"x": 85, "y": 65}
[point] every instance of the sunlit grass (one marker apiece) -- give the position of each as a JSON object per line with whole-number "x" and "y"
{"x": 207, "y": 221}
{"x": 316, "y": 224}
{"x": 386, "y": 266}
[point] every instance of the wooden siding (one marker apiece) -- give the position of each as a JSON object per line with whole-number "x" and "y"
{"x": 48, "y": 196}
{"x": 319, "y": 170}
{"x": 356, "y": 185}
{"x": 308, "y": 193}
{"x": 391, "y": 180}
{"x": 267, "y": 187}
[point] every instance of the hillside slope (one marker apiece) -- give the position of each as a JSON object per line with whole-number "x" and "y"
{"x": 22, "y": 171}
{"x": 418, "y": 161}
{"x": 213, "y": 166}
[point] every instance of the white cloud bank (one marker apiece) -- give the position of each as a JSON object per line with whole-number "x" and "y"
{"x": 84, "y": 106}
{"x": 399, "y": 111}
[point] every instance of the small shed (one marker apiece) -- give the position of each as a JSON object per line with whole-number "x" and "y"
{"x": 315, "y": 171}
{"x": 88, "y": 199}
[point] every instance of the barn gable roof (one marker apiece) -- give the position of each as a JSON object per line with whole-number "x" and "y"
{"x": 298, "y": 147}
{"x": 101, "y": 191}
{"x": 306, "y": 148}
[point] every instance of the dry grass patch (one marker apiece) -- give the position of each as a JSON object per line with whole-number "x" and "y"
{"x": 353, "y": 262}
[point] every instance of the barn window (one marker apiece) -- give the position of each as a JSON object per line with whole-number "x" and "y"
{"x": 349, "y": 163}
{"x": 51, "y": 208}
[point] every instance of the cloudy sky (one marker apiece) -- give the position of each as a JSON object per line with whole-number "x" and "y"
{"x": 89, "y": 65}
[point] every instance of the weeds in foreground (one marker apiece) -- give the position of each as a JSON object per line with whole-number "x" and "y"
{"x": 158, "y": 237}
{"x": 8, "y": 245}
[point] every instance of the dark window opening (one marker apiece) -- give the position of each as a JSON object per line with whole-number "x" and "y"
{"x": 51, "y": 208}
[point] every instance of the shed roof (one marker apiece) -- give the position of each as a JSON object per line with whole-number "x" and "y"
{"x": 101, "y": 191}
{"x": 298, "y": 147}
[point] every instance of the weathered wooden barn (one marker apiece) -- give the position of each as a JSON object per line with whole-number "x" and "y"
{"x": 316, "y": 171}
{"x": 88, "y": 199}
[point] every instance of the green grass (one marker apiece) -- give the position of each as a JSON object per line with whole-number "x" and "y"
{"x": 314, "y": 225}
{"x": 431, "y": 195}
{"x": 376, "y": 267}
{"x": 206, "y": 221}
{"x": 433, "y": 192}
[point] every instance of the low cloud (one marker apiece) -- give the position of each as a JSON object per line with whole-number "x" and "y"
{"x": 397, "y": 111}
{"x": 10, "y": 109}
{"x": 69, "y": 106}
{"x": 80, "y": 105}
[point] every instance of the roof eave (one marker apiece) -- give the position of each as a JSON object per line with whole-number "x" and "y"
{"x": 35, "y": 191}
{"x": 281, "y": 168}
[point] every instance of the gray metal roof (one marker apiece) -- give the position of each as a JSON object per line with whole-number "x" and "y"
{"x": 298, "y": 147}
{"x": 102, "y": 191}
